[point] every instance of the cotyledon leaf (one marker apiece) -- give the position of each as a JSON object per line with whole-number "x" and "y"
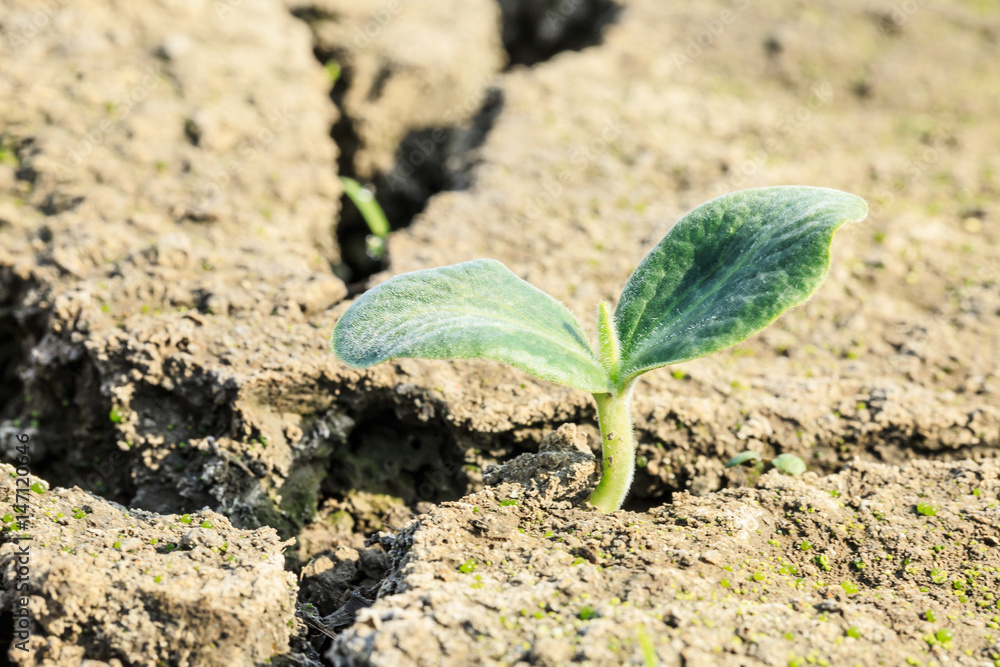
{"x": 741, "y": 458}
{"x": 726, "y": 270}
{"x": 789, "y": 464}
{"x": 473, "y": 310}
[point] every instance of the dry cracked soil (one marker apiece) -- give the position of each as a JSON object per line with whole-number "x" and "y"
{"x": 208, "y": 485}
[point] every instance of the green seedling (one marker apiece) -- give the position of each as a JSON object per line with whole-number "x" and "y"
{"x": 726, "y": 270}
{"x": 789, "y": 464}
{"x": 748, "y": 458}
{"x": 332, "y": 69}
{"x": 372, "y": 213}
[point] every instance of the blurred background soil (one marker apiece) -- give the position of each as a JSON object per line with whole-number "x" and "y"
{"x": 175, "y": 248}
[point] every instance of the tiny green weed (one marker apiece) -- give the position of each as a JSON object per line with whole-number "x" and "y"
{"x": 372, "y": 213}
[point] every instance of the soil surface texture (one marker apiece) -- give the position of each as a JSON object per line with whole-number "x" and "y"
{"x": 209, "y": 485}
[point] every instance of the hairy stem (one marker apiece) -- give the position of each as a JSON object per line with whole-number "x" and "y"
{"x": 614, "y": 414}
{"x": 610, "y": 350}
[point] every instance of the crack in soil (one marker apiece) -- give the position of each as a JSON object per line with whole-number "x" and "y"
{"x": 534, "y": 32}
{"x": 428, "y": 161}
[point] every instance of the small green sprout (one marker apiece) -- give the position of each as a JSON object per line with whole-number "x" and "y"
{"x": 744, "y": 457}
{"x": 468, "y": 566}
{"x": 789, "y": 464}
{"x": 372, "y": 213}
{"x": 332, "y": 68}
{"x": 647, "y": 647}
{"x": 927, "y": 509}
{"x": 725, "y": 271}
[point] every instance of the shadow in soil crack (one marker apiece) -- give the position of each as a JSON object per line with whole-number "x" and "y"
{"x": 13, "y": 343}
{"x": 415, "y": 462}
{"x": 535, "y": 31}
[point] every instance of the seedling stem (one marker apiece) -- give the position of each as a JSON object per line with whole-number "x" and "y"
{"x": 614, "y": 415}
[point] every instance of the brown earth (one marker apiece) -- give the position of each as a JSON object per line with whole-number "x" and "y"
{"x": 834, "y": 570}
{"x": 169, "y": 273}
{"x": 187, "y": 589}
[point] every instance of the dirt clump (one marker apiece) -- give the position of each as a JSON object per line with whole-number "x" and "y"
{"x": 131, "y": 587}
{"x": 874, "y": 565}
